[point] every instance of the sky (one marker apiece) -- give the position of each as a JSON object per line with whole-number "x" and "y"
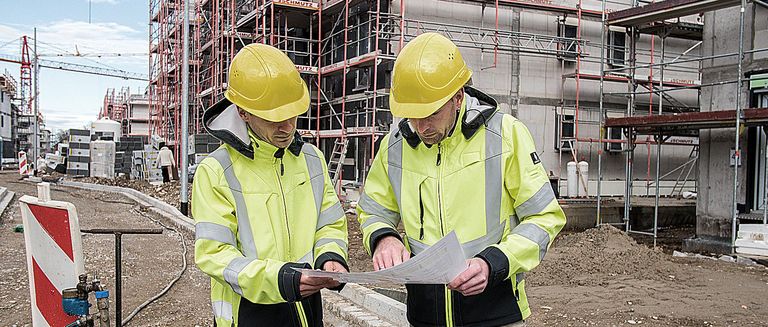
{"x": 68, "y": 99}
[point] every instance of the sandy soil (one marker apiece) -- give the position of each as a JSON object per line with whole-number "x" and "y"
{"x": 600, "y": 277}
{"x": 150, "y": 261}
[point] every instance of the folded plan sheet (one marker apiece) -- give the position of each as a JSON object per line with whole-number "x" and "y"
{"x": 439, "y": 264}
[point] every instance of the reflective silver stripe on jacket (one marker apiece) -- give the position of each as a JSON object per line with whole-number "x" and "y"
{"x": 215, "y": 232}
{"x": 493, "y": 174}
{"x": 316, "y": 175}
{"x": 324, "y": 241}
{"x": 244, "y": 232}
{"x": 395, "y": 164}
{"x": 378, "y": 212}
{"x": 308, "y": 258}
{"x": 329, "y": 216}
{"x": 232, "y": 271}
{"x": 536, "y": 203}
{"x": 535, "y": 234}
{"x": 222, "y": 310}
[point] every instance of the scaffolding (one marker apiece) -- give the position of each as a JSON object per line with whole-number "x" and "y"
{"x": 663, "y": 20}
{"x": 115, "y": 104}
{"x": 165, "y": 63}
{"x": 345, "y": 50}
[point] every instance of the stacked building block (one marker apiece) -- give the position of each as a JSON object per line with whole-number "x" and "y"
{"x": 200, "y": 145}
{"x": 145, "y": 166}
{"x": 102, "y": 159}
{"x": 124, "y": 152}
{"x": 79, "y": 153}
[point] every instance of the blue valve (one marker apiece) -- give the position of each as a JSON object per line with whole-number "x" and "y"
{"x": 75, "y": 306}
{"x": 102, "y": 294}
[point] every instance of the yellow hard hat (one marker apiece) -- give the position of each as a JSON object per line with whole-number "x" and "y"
{"x": 427, "y": 73}
{"x": 264, "y": 82}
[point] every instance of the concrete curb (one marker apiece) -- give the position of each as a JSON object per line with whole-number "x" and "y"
{"x": 390, "y": 309}
{"x": 356, "y": 304}
{"x": 164, "y": 209}
{"x": 351, "y": 312}
{"x": 6, "y": 196}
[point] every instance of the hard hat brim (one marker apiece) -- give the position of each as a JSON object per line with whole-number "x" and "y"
{"x": 284, "y": 112}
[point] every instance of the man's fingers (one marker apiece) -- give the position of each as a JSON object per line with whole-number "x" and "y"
{"x": 388, "y": 261}
{"x": 459, "y": 280}
{"x": 468, "y": 274}
{"x": 406, "y": 255}
{"x": 477, "y": 280}
{"x": 315, "y": 281}
{"x": 397, "y": 259}
{"x": 474, "y": 290}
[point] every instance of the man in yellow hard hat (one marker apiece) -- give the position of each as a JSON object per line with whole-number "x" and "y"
{"x": 456, "y": 163}
{"x": 263, "y": 202}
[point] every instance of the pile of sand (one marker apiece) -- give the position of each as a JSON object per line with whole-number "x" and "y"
{"x": 589, "y": 257}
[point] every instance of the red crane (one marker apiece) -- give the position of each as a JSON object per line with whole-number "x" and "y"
{"x": 26, "y": 78}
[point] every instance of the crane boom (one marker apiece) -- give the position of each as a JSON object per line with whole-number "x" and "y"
{"x": 94, "y": 54}
{"x": 77, "y": 68}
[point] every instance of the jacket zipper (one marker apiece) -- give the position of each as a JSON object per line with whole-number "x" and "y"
{"x": 440, "y": 189}
{"x": 421, "y": 215}
{"x": 448, "y": 304}
{"x": 285, "y": 206}
{"x": 302, "y": 315}
{"x": 448, "y": 308}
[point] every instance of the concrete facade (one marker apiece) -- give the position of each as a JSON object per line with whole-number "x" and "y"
{"x": 532, "y": 87}
{"x": 721, "y": 35}
{"x": 137, "y": 120}
{"x": 7, "y": 108}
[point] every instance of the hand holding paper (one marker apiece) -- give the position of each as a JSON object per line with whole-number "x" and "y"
{"x": 438, "y": 264}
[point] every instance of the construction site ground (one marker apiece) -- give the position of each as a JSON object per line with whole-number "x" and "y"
{"x": 599, "y": 277}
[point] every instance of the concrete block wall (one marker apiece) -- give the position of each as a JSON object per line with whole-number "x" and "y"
{"x": 721, "y": 35}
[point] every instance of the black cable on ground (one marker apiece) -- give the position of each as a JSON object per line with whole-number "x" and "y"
{"x": 168, "y": 287}
{"x": 183, "y": 257}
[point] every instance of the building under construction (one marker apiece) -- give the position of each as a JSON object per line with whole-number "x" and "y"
{"x": 539, "y": 59}
{"x": 130, "y": 110}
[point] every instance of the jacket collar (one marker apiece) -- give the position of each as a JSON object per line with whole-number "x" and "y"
{"x": 476, "y": 110}
{"x": 223, "y": 122}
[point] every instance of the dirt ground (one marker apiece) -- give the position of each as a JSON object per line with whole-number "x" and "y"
{"x": 603, "y": 277}
{"x": 150, "y": 261}
{"x": 600, "y": 277}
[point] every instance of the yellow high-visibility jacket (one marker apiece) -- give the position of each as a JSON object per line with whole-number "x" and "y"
{"x": 259, "y": 211}
{"x": 485, "y": 181}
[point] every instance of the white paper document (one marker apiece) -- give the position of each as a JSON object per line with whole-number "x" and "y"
{"x": 438, "y": 264}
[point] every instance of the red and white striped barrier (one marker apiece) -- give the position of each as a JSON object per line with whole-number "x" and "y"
{"x": 24, "y": 168}
{"x": 54, "y": 255}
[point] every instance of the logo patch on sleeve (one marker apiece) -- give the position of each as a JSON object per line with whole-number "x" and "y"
{"x": 535, "y": 158}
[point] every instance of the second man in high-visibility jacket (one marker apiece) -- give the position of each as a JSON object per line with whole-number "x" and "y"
{"x": 455, "y": 163}
{"x": 263, "y": 203}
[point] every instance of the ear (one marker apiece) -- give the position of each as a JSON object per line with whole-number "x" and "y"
{"x": 459, "y": 97}
{"x": 242, "y": 113}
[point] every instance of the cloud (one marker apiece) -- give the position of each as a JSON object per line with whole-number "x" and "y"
{"x": 68, "y": 36}
{"x": 66, "y": 119}
{"x": 71, "y": 100}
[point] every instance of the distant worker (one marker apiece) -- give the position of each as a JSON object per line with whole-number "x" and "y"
{"x": 263, "y": 202}
{"x": 40, "y": 165}
{"x": 456, "y": 163}
{"x": 166, "y": 162}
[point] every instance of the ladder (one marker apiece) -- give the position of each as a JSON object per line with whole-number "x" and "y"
{"x": 336, "y": 161}
{"x": 680, "y": 182}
